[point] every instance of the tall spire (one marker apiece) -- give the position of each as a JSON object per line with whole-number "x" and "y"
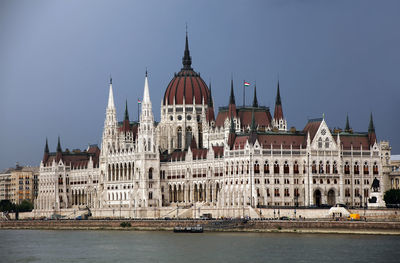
{"x": 210, "y": 102}
{"x": 278, "y": 96}
{"x": 371, "y": 131}
{"x": 278, "y": 113}
{"x": 146, "y": 94}
{"x": 110, "y": 97}
{"x": 347, "y": 128}
{"x": 187, "y": 59}
{"x": 59, "y": 145}
{"x": 232, "y": 104}
{"x": 126, "y": 117}
{"x": 371, "y": 127}
{"x": 232, "y": 96}
{"x": 46, "y": 147}
{"x": 255, "y": 101}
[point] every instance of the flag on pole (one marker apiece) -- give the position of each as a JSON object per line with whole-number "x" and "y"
{"x": 139, "y": 101}
{"x": 246, "y": 84}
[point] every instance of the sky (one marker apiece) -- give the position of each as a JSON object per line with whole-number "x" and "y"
{"x": 332, "y": 58}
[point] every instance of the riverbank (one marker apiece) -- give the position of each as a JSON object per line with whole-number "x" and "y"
{"x": 285, "y": 226}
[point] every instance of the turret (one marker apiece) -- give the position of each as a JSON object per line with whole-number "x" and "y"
{"x": 279, "y": 121}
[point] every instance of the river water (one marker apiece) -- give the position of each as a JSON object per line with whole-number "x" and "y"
{"x": 152, "y": 246}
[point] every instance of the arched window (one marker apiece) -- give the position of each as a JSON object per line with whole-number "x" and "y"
{"x": 286, "y": 167}
{"x": 276, "y": 167}
{"x": 179, "y": 134}
{"x": 356, "y": 168}
{"x": 320, "y": 143}
{"x": 256, "y": 167}
{"x": 346, "y": 168}
{"x": 321, "y": 167}
{"x": 328, "y": 168}
{"x": 150, "y": 173}
{"x": 295, "y": 167}
{"x": 188, "y": 137}
{"x": 366, "y": 170}
{"x": 327, "y": 143}
{"x": 335, "y": 171}
{"x": 314, "y": 167}
{"x": 375, "y": 168}
{"x": 266, "y": 167}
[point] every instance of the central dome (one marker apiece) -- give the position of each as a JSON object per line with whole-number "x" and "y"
{"x": 186, "y": 84}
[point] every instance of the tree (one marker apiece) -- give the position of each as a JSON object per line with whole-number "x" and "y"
{"x": 6, "y": 206}
{"x": 392, "y": 197}
{"x": 25, "y": 206}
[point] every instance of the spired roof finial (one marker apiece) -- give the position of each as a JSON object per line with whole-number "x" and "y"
{"x": 347, "y": 128}
{"x": 126, "y": 111}
{"x": 232, "y": 96}
{"x": 210, "y": 102}
{"x": 278, "y": 96}
{"x": 371, "y": 127}
{"x": 59, "y": 145}
{"x": 187, "y": 59}
{"x": 255, "y": 101}
{"x": 46, "y": 147}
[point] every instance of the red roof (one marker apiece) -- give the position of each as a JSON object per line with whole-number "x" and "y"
{"x": 312, "y": 127}
{"x": 262, "y": 117}
{"x": 286, "y": 140}
{"x": 76, "y": 159}
{"x": 355, "y": 140}
{"x": 186, "y": 84}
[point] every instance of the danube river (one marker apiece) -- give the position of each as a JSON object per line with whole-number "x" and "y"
{"x": 142, "y": 246}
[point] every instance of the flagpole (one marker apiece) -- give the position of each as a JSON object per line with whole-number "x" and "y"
{"x": 244, "y": 94}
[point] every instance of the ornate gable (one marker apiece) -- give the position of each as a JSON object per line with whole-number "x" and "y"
{"x": 323, "y": 139}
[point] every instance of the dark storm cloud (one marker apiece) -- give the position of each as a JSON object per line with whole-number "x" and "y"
{"x": 332, "y": 57}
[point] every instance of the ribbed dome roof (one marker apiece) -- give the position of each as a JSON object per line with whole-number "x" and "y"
{"x": 186, "y": 84}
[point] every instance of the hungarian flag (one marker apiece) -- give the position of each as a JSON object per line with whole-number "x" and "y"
{"x": 246, "y": 84}
{"x": 139, "y": 101}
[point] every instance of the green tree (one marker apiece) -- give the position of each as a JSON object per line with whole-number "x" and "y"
{"x": 25, "y": 206}
{"x": 392, "y": 197}
{"x": 6, "y": 206}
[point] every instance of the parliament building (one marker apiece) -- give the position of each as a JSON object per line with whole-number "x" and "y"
{"x": 236, "y": 163}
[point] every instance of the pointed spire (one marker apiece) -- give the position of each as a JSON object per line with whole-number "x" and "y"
{"x": 110, "y": 97}
{"x": 126, "y": 117}
{"x": 210, "y": 102}
{"x": 347, "y": 128}
{"x": 187, "y": 59}
{"x": 59, "y": 145}
{"x": 46, "y": 147}
{"x": 371, "y": 127}
{"x": 278, "y": 113}
{"x": 232, "y": 96}
{"x": 255, "y": 101}
{"x": 278, "y": 96}
{"x": 146, "y": 94}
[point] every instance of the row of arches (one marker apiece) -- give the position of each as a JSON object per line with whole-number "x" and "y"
{"x": 120, "y": 172}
